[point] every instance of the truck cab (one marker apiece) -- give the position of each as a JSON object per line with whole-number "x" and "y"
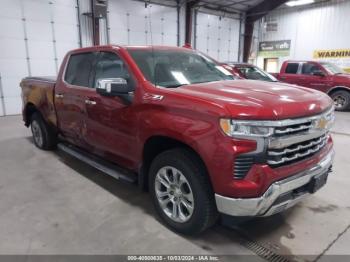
{"x": 322, "y": 76}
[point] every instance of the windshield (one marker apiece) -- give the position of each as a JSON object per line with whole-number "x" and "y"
{"x": 255, "y": 73}
{"x": 174, "y": 68}
{"x": 332, "y": 68}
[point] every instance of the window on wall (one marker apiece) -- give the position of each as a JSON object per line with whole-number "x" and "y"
{"x": 292, "y": 68}
{"x": 79, "y": 70}
{"x": 309, "y": 69}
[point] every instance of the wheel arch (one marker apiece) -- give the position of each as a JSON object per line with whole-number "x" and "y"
{"x": 338, "y": 88}
{"x": 29, "y": 110}
{"x": 157, "y": 144}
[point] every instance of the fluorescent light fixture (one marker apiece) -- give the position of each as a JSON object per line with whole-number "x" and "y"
{"x": 300, "y": 2}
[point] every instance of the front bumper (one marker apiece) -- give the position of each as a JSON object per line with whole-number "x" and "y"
{"x": 279, "y": 196}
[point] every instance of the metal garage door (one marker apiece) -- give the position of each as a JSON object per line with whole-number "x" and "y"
{"x": 130, "y": 23}
{"x": 218, "y": 36}
{"x": 34, "y": 37}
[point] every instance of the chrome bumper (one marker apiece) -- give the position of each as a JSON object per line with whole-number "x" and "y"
{"x": 265, "y": 205}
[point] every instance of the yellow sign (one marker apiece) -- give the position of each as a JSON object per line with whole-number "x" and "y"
{"x": 332, "y": 53}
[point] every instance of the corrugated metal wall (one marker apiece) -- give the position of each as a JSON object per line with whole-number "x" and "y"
{"x": 218, "y": 36}
{"x": 34, "y": 37}
{"x": 321, "y": 26}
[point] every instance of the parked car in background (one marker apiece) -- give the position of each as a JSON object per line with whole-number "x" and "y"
{"x": 248, "y": 71}
{"x": 175, "y": 122}
{"x": 322, "y": 76}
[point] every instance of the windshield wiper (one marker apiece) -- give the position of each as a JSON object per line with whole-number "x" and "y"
{"x": 175, "y": 86}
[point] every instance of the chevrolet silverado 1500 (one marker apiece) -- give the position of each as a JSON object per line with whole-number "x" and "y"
{"x": 178, "y": 124}
{"x": 322, "y": 76}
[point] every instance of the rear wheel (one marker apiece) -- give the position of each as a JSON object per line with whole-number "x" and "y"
{"x": 181, "y": 192}
{"x": 43, "y": 135}
{"x": 341, "y": 100}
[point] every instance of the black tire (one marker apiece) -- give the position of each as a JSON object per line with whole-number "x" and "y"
{"x": 43, "y": 136}
{"x": 341, "y": 100}
{"x": 204, "y": 212}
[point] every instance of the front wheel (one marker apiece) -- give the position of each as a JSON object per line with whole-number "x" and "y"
{"x": 341, "y": 100}
{"x": 181, "y": 192}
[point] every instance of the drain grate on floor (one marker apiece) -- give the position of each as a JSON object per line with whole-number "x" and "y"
{"x": 259, "y": 249}
{"x": 263, "y": 252}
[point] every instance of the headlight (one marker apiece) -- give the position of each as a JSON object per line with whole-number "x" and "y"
{"x": 244, "y": 128}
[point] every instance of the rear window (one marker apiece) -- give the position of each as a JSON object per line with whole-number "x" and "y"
{"x": 292, "y": 68}
{"x": 79, "y": 69}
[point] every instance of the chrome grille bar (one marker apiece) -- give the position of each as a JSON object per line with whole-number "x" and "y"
{"x": 302, "y": 127}
{"x": 298, "y": 155}
{"x": 298, "y": 147}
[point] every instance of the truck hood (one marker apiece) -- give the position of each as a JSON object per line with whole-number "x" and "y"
{"x": 250, "y": 99}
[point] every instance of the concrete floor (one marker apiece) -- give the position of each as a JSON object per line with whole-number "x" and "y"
{"x": 51, "y": 203}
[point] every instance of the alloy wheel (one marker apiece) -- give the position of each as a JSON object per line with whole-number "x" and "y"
{"x": 339, "y": 101}
{"x": 174, "y": 194}
{"x": 37, "y": 133}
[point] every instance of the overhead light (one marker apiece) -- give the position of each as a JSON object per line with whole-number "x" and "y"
{"x": 300, "y": 2}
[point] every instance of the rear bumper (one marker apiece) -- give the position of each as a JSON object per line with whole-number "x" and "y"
{"x": 279, "y": 196}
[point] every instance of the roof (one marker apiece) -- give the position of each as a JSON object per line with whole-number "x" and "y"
{"x": 133, "y": 47}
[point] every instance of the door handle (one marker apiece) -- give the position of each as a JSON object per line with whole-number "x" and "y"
{"x": 59, "y": 95}
{"x": 283, "y": 77}
{"x": 90, "y": 102}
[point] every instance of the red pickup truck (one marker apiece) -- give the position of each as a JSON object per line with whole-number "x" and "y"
{"x": 322, "y": 76}
{"x": 178, "y": 124}
{"x": 248, "y": 71}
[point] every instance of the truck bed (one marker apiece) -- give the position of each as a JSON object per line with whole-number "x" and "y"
{"x": 40, "y": 92}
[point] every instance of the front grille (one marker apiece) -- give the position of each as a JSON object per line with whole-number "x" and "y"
{"x": 292, "y": 129}
{"x": 242, "y": 166}
{"x": 295, "y": 152}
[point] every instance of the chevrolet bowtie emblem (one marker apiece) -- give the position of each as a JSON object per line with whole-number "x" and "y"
{"x": 322, "y": 123}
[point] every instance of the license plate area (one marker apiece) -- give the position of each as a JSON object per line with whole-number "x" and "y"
{"x": 317, "y": 182}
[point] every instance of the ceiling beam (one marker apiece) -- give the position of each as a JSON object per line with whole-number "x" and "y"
{"x": 256, "y": 12}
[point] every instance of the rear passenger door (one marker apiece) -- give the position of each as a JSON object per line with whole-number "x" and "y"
{"x": 290, "y": 74}
{"x": 70, "y": 95}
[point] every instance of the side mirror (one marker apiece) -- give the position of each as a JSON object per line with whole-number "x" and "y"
{"x": 113, "y": 87}
{"x": 318, "y": 73}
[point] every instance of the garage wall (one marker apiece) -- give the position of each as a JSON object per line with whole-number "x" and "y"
{"x": 34, "y": 37}
{"x": 324, "y": 26}
{"x": 131, "y": 23}
{"x": 217, "y": 36}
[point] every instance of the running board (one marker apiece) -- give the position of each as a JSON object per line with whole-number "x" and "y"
{"x": 98, "y": 163}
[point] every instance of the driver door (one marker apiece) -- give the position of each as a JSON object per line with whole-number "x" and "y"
{"x": 110, "y": 122}
{"x": 309, "y": 79}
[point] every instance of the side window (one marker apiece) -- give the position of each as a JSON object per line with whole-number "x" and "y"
{"x": 292, "y": 68}
{"x": 309, "y": 69}
{"x": 79, "y": 69}
{"x": 109, "y": 65}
